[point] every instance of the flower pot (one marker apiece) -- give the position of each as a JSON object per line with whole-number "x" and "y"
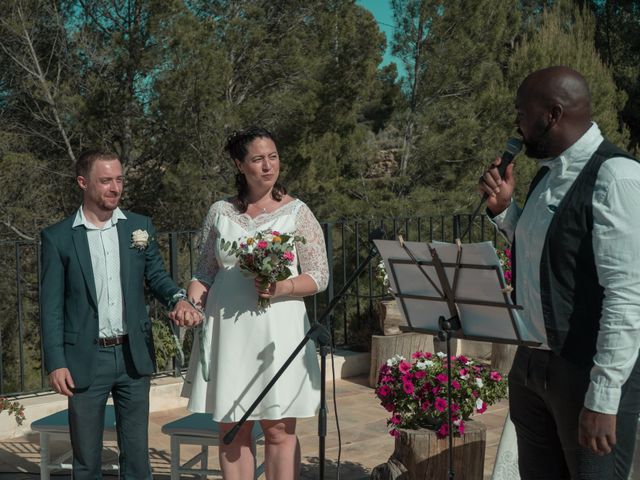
{"x": 420, "y": 455}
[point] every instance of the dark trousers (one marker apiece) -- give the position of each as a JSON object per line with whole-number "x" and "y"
{"x": 114, "y": 374}
{"x": 546, "y": 395}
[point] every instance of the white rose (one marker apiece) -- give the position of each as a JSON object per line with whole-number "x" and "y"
{"x": 479, "y": 403}
{"x": 441, "y": 354}
{"x": 140, "y": 239}
{"x": 479, "y": 382}
{"x": 421, "y": 365}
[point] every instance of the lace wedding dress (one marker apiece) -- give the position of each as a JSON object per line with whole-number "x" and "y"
{"x": 239, "y": 347}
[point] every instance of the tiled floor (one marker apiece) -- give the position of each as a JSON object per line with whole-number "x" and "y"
{"x": 365, "y": 441}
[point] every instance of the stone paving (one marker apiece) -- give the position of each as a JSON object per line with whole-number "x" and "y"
{"x": 365, "y": 441}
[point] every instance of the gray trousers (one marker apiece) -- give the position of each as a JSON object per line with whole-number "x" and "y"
{"x": 546, "y": 395}
{"x": 114, "y": 374}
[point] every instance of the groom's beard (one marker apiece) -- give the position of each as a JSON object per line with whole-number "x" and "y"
{"x": 537, "y": 147}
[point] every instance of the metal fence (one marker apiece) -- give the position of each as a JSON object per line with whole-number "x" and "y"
{"x": 352, "y": 323}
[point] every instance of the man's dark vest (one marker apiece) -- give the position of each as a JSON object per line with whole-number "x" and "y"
{"x": 570, "y": 291}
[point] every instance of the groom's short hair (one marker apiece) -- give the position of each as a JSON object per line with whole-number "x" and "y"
{"x": 88, "y": 158}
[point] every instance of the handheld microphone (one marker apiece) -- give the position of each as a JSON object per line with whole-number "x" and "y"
{"x": 511, "y": 150}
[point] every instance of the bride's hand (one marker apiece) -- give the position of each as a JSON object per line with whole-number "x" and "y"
{"x": 265, "y": 290}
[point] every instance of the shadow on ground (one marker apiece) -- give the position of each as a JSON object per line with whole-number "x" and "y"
{"x": 348, "y": 470}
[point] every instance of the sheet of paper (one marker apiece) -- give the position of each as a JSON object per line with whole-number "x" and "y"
{"x": 478, "y": 281}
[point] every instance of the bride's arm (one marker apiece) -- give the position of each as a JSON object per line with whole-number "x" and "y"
{"x": 312, "y": 257}
{"x": 207, "y": 265}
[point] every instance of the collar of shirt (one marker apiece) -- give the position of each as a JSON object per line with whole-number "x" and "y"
{"x": 574, "y": 158}
{"x": 82, "y": 220}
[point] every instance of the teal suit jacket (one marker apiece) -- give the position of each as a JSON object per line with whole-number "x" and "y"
{"x": 69, "y": 306}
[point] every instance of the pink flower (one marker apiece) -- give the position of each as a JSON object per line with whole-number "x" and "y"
{"x": 454, "y": 407}
{"x": 463, "y": 359}
{"x": 388, "y": 407}
{"x": 428, "y": 355}
{"x": 443, "y": 431}
{"x": 442, "y": 377}
{"x": 474, "y": 394}
{"x": 508, "y": 276}
{"x": 481, "y": 407}
{"x": 396, "y": 419}
{"x": 455, "y": 385}
{"x": 507, "y": 252}
{"x": 441, "y": 404}
{"x": 425, "y": 405}
{"x": 495, "y": 376}
{"x": 288, "y": 256}
{"x": 387, "y": 379}
{"x": 408, "y": 388}
{"x": 420, "y": 374}
{"x": 383, "y": 390}
{"x": 404, "y": 366}
{"x": 262, "y": 244}
{"x": 275, "y": 233}
{"x": 463, "y": 372}
{"x": 461, "y": 428}
{"x": 416, "y": 355}
{"x": 394, "y": 433}
{"x": 384, "y": 369}
{"x": 435, "y": 390}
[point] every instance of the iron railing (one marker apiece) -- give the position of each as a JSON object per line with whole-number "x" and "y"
{"x": 347, "y": 242}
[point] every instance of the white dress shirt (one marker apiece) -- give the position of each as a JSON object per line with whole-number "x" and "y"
{"x": 616, "y": 247}
{"x": 105, "y": 262}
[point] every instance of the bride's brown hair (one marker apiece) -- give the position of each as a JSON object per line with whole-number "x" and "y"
{"x": 237, "y": 144}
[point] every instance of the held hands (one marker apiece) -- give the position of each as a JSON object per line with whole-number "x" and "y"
{"x": 596, "y": 431}
{"x": 498, "y": 191}
{"x": 61, "y": 381}
{"x": 185, "y": 315}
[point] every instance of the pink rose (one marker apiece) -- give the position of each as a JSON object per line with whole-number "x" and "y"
{"x": 416, "y": 355}
{"x": 275, "y": 233}
{"x": 428, "y": 355}
{"x": 394, "y": 433}
{"x": 420, "y": 374}
{"x": 442, "y": 377}
{"x": 455, "y": 385}
{"x": 408, "y": 388}
{"x": 507, "y": 252}
{"x": 404, "y": 366}
{"x": 443, "y": 431}
{"x": 495, "y": 376}
{"x": 396, "y": 419}
{"x": 288, "y": 256}
{"x": 383, "y": 390}
{"x": 463, "y": 359}
{"x": 507, "y": 276}
{"x": 425, "y": 405}
{"x": 461, "y": 428}
{"x": 262, "y": 244}
{"x": 441, "y": 404}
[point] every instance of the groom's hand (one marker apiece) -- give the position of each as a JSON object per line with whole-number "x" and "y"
{"x": 597, "y": 431}
{"x": 61, "y": 381}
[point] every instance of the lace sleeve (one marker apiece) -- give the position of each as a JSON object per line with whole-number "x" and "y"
{"x": 207, "y": 265}
{"x": 313, "y": 254}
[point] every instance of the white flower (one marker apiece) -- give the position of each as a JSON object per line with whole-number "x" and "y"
{"x": 140, "y": 239}
{"x": 393, "y": 361}
{"x": 479, "y": 382}
{"x": 479, "y": 403}
{"x": 441, "y": 354}
{"x": 267, "y": 237}
{"x": 421, "y": 365}
{"x": 464, "y": 377}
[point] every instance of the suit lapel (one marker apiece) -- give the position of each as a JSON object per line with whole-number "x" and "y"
{"x": 79, "y": 235}
{"x": 124, "y": 245}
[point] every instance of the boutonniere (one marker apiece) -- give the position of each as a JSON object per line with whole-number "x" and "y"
{"x": 140, "y": 239}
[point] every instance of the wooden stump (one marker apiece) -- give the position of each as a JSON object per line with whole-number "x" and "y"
{"x": 420, "y": 455}
{"x": 502, "y": 357}
{"x": 385, "y": 347}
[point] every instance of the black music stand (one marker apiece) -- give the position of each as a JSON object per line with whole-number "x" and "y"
{"x": 453, "y": 290}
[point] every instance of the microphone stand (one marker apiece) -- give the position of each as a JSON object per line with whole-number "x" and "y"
{"x": 322, "y": 335}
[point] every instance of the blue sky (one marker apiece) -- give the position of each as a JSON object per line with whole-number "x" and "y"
{"x": 381, "y": 10}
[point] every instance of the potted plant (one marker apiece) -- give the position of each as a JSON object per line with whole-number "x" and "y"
{"x": 414, "y": 392}
{"x": 14, "y": 408}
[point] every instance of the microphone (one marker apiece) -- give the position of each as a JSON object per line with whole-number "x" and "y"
{"x": 511, "y": 150}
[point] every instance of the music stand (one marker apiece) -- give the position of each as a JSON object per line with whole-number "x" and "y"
{"x": 450, "y": 289}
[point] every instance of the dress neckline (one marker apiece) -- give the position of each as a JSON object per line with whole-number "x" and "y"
{"x": 273, "y": 212}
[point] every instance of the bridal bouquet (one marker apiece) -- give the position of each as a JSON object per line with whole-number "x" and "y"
{"x": 505, "y": 262}
{"x": 415, "y": 392}
{"x": 267, "y": 255}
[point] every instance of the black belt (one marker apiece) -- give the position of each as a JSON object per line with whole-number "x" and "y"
{"x": 113, "y": 341}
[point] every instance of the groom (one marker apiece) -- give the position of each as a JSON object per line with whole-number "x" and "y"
{"x": 96, "y": 333}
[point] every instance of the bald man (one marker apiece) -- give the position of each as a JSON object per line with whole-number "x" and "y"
{"x": 575, "y": 400}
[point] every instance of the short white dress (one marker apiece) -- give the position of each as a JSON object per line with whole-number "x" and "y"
{"x": 239, "y": 347}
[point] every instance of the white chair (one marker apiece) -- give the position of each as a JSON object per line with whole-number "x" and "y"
{"x": 200, "y": 429}
{"x": 57, "y": 425}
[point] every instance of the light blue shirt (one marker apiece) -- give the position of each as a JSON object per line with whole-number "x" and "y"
{"x": 616, "y": 248}
{"x": 105, "y": 261}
